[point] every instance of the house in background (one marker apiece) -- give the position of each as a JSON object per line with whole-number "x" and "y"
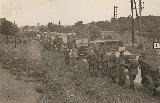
{"x": 31, "y": 28}
{"x": 107, "y": 35}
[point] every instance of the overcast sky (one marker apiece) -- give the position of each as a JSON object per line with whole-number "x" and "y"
{"x": 29, "y": 12}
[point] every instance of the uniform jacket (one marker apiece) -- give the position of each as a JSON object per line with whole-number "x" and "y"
{"x": 92, "y": 59}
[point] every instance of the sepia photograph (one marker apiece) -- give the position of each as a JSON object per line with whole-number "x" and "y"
{"x": 79, "y": 51}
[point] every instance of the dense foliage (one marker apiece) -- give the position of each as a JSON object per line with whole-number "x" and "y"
{"x": 8, "y": 28}
{"x": 150, "y": 27}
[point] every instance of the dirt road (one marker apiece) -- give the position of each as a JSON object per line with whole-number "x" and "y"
{"x": 13, "y": 91}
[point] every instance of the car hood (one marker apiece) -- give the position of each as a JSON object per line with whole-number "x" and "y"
{"x": 153, "y": 61}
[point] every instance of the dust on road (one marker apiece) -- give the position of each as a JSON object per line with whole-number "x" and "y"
{"x": 13, "y": 91}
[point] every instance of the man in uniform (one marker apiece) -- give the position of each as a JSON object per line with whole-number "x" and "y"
{"x": 92, "y": 60}
{"x": 113, "y": 66}
{"x": 73, "y": 56}
{"x": 105, "y": 64}
{"x": 133, "y": 71}
{"x": 66, "y": 54}
{"x": 142, "y": 56}
{"x": 121, "y": 69}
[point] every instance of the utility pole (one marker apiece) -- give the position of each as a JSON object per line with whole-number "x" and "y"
{"x": 115, "y": 16}
{"x": 15, "y": 36}
{"x": 132, "y": 1}
{"x": 141, "y": 6}
{"x": 60, "y": 27}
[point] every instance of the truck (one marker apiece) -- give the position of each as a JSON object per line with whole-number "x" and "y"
{"x": 82, "y": 45}
{"x": 150, "y": 73}
{"x": 106, "y": 45}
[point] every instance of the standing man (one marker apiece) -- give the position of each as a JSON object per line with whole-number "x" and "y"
{"x": 133, "y": 71}
{"x": 121, "y": 68}
{"x": 113, "y": 67}
{"x": 105, "y": 64}
{"x": 66, "y": 54}
{"x": 74, "y": 55}
{"x": 92, "y": 60}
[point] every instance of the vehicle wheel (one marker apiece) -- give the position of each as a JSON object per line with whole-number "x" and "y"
{"x": 149, "y": 86}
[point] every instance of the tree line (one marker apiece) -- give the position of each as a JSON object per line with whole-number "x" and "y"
{"x": 150, "y": 27}
{"x": 8, "y": 28}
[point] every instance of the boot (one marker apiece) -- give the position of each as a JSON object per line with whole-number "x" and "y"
{"x": 95, "y": 74}
{"x": 91, "y": 74}
{"x": 132, "y": 87}
{"x": 113, "y": 80}
{"x": 123, "y": 83}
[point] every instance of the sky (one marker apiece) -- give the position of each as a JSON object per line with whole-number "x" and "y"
{"x": 30, "y": 12}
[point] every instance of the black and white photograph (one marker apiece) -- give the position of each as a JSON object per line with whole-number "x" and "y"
{"x": 79, "y": 51}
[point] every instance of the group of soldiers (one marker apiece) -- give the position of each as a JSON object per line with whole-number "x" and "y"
{"x": 112, "y": 66}
{"x": 48, "y": 43}
{"x": 100, "y": 61}
{"x": 71, "y": 54}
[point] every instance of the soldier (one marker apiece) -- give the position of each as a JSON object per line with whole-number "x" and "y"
{"x": 121, "y": 69}
{"x": 66, "y": 54}
{"x": 113, "y": 67}
{"x": 133, "y": 71}
{"x": 59, "y": 44}
{"x": 105, "y": 64}
{"x": 142, "y": 56}
{"x": 44, "y": 42}
{"x": 73, "y": 56}
{"x": 92, "y": 60}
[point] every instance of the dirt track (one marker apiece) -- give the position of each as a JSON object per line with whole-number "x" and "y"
{"x": 63, "y": 84}
{"x": 13, "y": 91}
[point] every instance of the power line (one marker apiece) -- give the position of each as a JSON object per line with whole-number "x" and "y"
{"x": 141, "y": 7}
{"x": 115, "y": 17}
{"x": 132, "y": 8}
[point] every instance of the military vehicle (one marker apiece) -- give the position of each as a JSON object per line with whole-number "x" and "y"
{"x": 83, "y": 51}
{"x": 107, "y": 45}
{"x": 150, "y": 73}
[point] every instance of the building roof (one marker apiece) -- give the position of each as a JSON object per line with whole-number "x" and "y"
{"x": 107, "y": 31}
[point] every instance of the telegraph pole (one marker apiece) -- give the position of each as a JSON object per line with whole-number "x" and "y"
{"x": 59, "y": 26}
{"x": 141, "y": 6}
{"x": 115, "y": 16}
{"x": 15, "y": 36}
{"x": 132, "y": 1}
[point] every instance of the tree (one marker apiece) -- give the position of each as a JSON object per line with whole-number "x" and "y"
{"x": 79, "y": 23}
{"x": 78, "y": 27}
{"x": 50, "y": 26}
{"x": 94, "y": 32}
{"x": 43, "y": 28}
{"x": 7, "y": 28}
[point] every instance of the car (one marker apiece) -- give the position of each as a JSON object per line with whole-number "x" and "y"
{"x": 83, "y": 50}
{"x": 150, "y": 73}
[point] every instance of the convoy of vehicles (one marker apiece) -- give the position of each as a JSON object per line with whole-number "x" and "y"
{"x": 150, "y": 66}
